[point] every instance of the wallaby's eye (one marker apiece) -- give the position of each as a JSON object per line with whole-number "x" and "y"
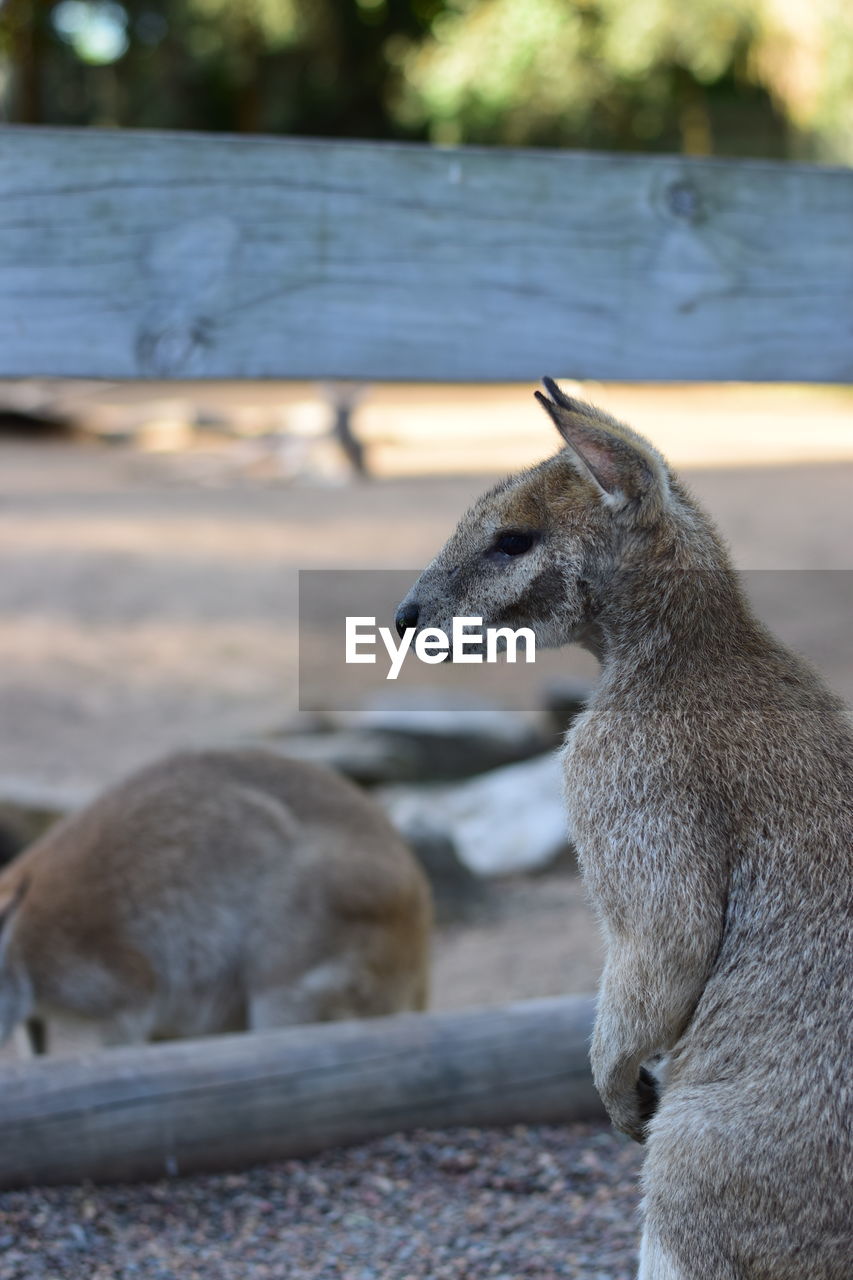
{"x": 514, "y": 544}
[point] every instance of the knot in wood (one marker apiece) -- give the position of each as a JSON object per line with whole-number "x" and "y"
{"x": 683, "y": 200}
{"x": 167, "y": 351}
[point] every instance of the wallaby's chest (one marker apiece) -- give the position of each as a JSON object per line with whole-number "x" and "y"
{"x": 621, "y": 775}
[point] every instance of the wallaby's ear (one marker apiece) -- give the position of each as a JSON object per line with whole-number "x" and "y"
{"x": 620, "y": 463}
{"x": 10, "y": 901}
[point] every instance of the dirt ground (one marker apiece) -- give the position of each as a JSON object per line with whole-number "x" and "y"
{"x": 141, "y": 610}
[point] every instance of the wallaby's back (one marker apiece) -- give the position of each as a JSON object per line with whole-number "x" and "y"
{"x": 216, "y": 890}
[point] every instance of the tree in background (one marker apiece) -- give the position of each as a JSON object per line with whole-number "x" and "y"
{"x": 729, "y": 76}
{"x": 748, "y": 77}
{"x": 294, "y": 66}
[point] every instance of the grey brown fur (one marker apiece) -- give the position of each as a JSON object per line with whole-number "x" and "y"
{"x": 213, "y": 891}
{"x": 710, "y": 790}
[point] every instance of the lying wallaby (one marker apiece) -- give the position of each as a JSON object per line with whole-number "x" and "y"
{"x": 213, "y": 891}
{"x": 710, "y": 791}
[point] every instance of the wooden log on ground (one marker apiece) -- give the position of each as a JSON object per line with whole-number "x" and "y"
{"x": 232, "y": 1101}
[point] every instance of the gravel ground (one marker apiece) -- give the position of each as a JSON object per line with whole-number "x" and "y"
{"x": 543, "y": 1202}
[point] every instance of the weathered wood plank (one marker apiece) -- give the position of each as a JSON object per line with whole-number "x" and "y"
{"x": 230, "y": 1101}
{"x": 133, "y": 255}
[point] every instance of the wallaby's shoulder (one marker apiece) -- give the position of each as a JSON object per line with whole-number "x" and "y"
{"x": 221, "y": 813}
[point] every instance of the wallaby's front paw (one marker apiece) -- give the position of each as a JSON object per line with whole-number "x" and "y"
{"x": 625, "y": 1116}
{"x": 630, "y": 1109}
{"x": 629, "y": 1091}
{"x": 648, "y": 1095}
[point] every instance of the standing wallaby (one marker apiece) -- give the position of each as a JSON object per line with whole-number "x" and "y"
{"x": 213, "y": 891}
{"x": 710, "y": 793}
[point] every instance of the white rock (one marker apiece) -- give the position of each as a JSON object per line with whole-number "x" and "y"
{"x": 466, "y": 722}
{"x": 508, "y": 820}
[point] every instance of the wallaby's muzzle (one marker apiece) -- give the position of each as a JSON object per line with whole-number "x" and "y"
{"x": 406, "y": 616}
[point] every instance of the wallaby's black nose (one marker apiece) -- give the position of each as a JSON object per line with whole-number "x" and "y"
{"x": 407, "y": 616}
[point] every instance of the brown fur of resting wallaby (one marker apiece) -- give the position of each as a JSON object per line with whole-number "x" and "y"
{"x": 213, "y": 891}
{"x": 710, "y": 791}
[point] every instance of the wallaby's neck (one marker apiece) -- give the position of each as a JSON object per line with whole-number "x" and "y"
{"x": 677, "y": 610}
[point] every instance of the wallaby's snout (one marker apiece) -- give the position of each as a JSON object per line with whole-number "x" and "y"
{"x": 407, "y": 616}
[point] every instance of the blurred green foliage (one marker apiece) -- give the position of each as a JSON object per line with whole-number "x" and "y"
{"x": 732, "y": 77}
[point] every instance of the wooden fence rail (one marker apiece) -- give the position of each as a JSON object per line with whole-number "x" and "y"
{"x": 135, "y": 255}
{"x": 232, "y": 1101}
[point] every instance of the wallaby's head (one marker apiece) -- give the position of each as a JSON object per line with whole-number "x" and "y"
{"x": 15, "y": 991}
{"x": 541, "y": 548}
